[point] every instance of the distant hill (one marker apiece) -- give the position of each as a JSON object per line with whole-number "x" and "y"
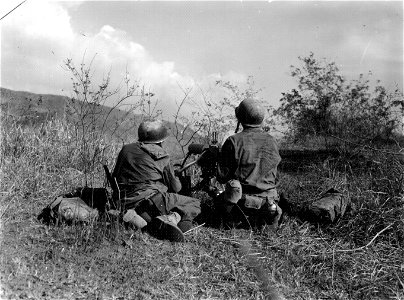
{"x": 31, "y": 109}
{"x": 20, "y": 104}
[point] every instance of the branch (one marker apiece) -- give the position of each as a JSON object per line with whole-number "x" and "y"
{"x": 368, "y": 244}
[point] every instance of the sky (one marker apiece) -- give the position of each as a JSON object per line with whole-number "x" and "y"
{"x": 169, "y": 46}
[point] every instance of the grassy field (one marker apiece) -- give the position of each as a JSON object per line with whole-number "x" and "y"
{"x": 359, "y": 257}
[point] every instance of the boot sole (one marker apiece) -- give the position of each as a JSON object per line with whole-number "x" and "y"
{"x": 165, "y": 231}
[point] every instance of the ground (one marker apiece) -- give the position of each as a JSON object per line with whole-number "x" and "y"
{"x": 106, "y": 261}
{"x": 358, "y": 257}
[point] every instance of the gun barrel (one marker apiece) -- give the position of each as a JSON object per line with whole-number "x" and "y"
{"x": 187, "y": 166}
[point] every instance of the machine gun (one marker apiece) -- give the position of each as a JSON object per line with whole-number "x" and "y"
{"x": 200, "y": 173}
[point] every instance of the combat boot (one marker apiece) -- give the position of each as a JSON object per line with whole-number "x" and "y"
{"x": 165, "y": 228}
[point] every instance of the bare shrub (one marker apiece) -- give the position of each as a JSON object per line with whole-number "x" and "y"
{"x": 100, "y": 114}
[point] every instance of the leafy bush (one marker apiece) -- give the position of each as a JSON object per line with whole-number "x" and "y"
{"x": 326, "y": 104}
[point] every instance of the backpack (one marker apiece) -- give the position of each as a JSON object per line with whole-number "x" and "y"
{"x": 97, "y": 198}
{"x": 81, "y": 205}
{"x": 331, "y": 206}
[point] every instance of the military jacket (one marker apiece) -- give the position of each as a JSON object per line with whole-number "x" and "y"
{"x": 141, "y": 166}
{"x": 252, "y": 157}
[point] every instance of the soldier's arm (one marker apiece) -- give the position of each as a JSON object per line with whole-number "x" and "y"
{"x": 227, "y": 164}
{"x": 170, "y": 180}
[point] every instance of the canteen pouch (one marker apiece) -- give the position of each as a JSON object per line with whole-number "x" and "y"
{"x": 253, "y": 202}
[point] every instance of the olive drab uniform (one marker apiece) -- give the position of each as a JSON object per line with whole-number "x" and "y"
{"x": 248, "y": 165}
{"x": 147, "y": 182}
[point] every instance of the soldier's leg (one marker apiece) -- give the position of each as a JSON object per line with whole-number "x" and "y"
{"x": 228, "y": 204}
{"x": 161, "y": 223}
{"x": 187, "y": 207}
{"x": 148, "y": 210}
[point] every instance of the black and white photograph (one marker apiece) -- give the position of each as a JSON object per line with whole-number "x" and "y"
{"x": 201, "y": 150}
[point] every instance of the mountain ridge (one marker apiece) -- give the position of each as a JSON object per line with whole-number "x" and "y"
{"x": 33, "y": 108}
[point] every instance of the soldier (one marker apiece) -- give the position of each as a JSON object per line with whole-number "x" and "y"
{"x": 248, "y": 164}
{"x": 149, "y": 187}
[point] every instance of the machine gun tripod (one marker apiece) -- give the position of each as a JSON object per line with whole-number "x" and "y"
{"x": 200, "y": 174}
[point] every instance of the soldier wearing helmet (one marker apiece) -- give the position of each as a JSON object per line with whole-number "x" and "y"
{"x": 149, "y": 187}
{"x": 248, "y": 164}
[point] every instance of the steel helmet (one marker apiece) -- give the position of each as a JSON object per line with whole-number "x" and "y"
{"x": 152, "y": 132}
{"x": 250, "y": 113}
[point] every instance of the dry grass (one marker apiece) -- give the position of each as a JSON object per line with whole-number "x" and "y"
{"x": 359, "y": 257}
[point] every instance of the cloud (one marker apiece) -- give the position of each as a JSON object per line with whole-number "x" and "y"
{"x": 38, "y": 37}
{"x": 34, "y": 37}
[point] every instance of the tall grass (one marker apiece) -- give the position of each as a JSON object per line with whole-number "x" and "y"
{"x": 359, "y": 257}
{"x": 43, "y": 161}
